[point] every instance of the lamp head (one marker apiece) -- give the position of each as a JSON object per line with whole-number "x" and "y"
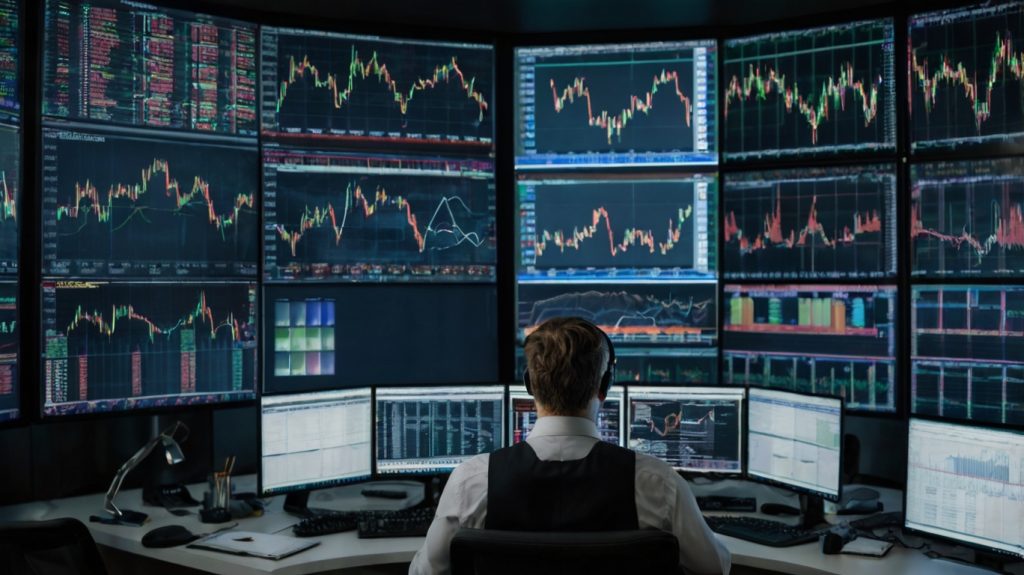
{"x": 172, "y": 450}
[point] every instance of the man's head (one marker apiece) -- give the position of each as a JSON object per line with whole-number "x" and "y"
{"x": 566, "y": 358}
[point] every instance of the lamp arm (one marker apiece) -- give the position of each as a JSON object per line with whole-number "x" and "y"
{"x": 115, "y": 485}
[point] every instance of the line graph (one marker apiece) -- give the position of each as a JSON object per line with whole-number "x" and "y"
{"x": 111, "y": 346}
{"x": 123, "y": 206}
{"x": 966, "y": 72}
{"x": 362, "y": 88}
{"x": 617, "y": 104}
{"x": 593, "y": 227}
{"x": 680, "y": 314}
{"x": 816, "y": 223}
{"x": 967, "y": 218}
{"x": 399, "y": 226}
{"x": 10, "y": 191}
{"x": 686, "y": 433}
{"x": 818, "y": 91}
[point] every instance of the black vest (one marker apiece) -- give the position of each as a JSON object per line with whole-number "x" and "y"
{"x": 595, "y": 493}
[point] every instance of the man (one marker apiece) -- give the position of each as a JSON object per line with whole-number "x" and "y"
{"x": 563, "y": 478}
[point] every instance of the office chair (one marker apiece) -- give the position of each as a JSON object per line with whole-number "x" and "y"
{"x": 493, "y": 552}
{"x": 55, "y": 547}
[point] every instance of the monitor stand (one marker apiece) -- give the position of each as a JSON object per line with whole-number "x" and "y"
{"x": 812, "y": 511}
{"x": 350, "y": 498}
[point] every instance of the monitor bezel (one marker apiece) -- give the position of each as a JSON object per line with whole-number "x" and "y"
{"x": 742, "y": 422}
{"x": 906, "y": 477}
{"x": 404, "y": 470}
{"x": 799, "y": 488}
{"x": 261, "y": 488}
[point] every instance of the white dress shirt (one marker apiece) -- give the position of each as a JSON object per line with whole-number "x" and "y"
{"x": 663, "y": 500}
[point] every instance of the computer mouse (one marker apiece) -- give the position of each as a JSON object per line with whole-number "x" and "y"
{"x": 168, "y": 536}
{"x": 779, "y": 509}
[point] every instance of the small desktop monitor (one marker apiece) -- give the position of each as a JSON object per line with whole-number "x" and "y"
{"x": 964, "y": 483}
{"x": 315, "y": 440}
{"x": 522, "y": 416}
{"x": 428, "y": 430}
{"x": 693, "y": 429}
{"x": 795, "y": 440}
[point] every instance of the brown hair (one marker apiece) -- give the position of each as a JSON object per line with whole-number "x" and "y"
{"x": 566, "y": 358}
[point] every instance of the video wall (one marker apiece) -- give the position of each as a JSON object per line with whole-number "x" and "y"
{"x": 230, "y": 208}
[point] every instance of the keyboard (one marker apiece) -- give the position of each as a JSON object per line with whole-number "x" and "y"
{"x": 762, "y": 531}
{"x": 406, "y": 523}
{"x": 341, "y": 521}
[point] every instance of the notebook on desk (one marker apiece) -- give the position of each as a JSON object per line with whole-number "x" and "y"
{"x": 263, "y": 545}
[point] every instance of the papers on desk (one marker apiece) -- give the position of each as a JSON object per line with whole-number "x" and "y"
{"x": 263, "y": 545}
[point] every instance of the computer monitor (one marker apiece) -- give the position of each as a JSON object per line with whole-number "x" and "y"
{"x": 795, "y": 440}
{"x": 522, "y": 416}
{"x": 315, "y": 440}
{"x": 964, "y": 483}
{"x": 693, "y": 429}
{"x": 428, "y": 430}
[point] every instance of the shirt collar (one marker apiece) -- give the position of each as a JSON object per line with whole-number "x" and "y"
{"x": 564, "y": 425}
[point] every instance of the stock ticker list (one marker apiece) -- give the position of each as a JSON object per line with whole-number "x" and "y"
{"x": 134, "y": 64}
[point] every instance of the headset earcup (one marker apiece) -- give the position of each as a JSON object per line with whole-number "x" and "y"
{"x": 526, "y": 381}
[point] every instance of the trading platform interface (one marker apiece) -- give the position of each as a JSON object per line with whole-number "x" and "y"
{"x": 617, "y": 104}
{"x": 112, "y": 346}
{"x": 607, "y": 227}
{"x": 967, "y": 352}
{"x": 10, "y": 398}
{"x": 795, "y": 440}
{"x": 10, "y": 47}
{"x": 820, "y": 91}
{"x": 966, "y": 483}
{"x": 522, "y": 413}
{"x": 693, "y": 429}
{"x": 315, "y": 440}
{"x": 965, "y": 76}
{"x": 823, "y": 339}
{"x": 432, "y": 430}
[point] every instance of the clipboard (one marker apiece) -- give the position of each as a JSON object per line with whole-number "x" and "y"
{"x": 251, "y": 544}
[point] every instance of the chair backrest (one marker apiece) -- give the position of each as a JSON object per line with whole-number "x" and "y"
{"x": 55, "y": 547}
{"x": 493, "y": 552}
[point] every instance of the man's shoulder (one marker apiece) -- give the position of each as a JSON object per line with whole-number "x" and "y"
{"x": 470, "y": 468}
{"x": 652, "y": 468}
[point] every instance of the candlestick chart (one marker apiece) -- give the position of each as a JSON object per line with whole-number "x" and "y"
{"x": 10, "y": 197}
{"x": 10, "y": 94}
{"x": 967, "y": 345}
{"x": 119, "y": 205}
{"x": 826, "y": 339}
{"x": 810, "y": 223}
{"x": 966, "y": 67}
{"x": 350, "y": 223}
{"x": 9, "y": 351}
{"x": 135, "y": 64}
{"x": 617, "y": 104}
{"x": 597, "y": 228}
{"x": 682, "y": 314}
{"x": 966, "y": 218}
{"x": 116, "y": 346}
{"x": 820, "y": 91}
{"x": 374, "y": 89}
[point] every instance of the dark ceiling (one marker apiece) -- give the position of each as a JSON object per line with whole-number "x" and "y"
{"x": 540, "y": 16}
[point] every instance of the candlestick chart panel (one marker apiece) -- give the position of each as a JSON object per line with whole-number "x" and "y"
{"x": 136, "y": 64}
{"x": 113, "y": 346}
{"x": 617, "y": 104}
{"x": 373, "y": 218}
{"x": 124, "y": 205}
{"x": 967, "y": 218}
{"x": 825, "y": 339}
{"x": 966, "y": 67}
{"x": 826, "y": 91}
{"x": 967, "y": 352}
{"x": 618, "y": 227}
{"x": 368, "y": 89}
{"x": 812, "y": 223}
{"x": 10, "y": 392}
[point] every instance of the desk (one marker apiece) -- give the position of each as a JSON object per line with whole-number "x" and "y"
{"x": 346, "y": 551}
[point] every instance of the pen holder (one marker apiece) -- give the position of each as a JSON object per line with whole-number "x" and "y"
{"x": 217, "y": 500}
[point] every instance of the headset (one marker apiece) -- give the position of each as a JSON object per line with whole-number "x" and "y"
{"x": 609, "y": 372}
